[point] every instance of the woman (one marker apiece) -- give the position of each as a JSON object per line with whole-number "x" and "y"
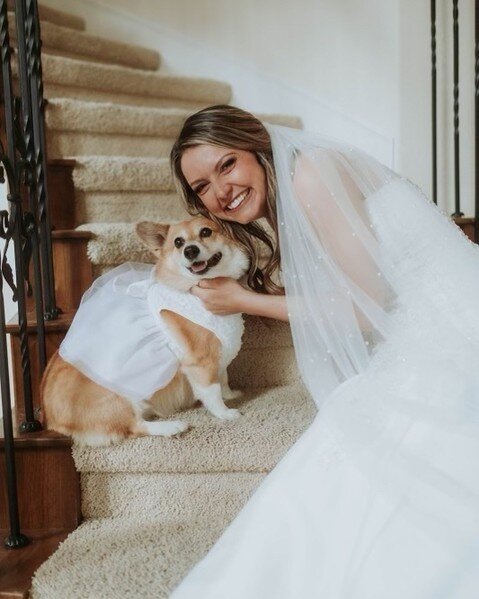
{"x": 380, "y": 497}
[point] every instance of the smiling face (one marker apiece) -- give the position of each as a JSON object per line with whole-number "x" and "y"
{"x": 191, "y": 250}
{"x": 231, "y": 183}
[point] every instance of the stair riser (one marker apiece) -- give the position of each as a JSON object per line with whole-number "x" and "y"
{"x": 72, "y": 272}
{"x": 80, "y": 46}
{"x": 93, "y": 59}
{"x": 122, "y": 174}
{"x": 64, "y": 144}
{"x": 48, "y": 487}
{"x": 57, "y": 17}
{"x": 110, "y": 207}
{"x": 255, "y": 366}
{"x": 55, "y": 90}
{"x": 171, "y": 497}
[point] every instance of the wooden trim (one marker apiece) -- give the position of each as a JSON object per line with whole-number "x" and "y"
{"x": 18, "y": 566}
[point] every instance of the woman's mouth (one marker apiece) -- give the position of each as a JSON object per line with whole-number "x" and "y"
{"x": 236, "y": 203}
{"x": 200, "y": 268}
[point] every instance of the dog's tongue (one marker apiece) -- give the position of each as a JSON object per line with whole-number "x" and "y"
{"x": 197, "y": 266}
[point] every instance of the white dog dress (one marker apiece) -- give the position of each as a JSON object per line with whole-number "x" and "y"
{"x": 119, "y": 339}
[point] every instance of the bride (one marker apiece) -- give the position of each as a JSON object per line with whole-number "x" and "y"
{"x": 379, "y": 499}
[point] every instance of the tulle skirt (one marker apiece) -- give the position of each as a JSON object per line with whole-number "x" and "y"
{"x": 380, "y": 496}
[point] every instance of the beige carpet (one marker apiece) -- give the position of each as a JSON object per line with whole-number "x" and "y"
{"x": 58, "y": 39}
{"x": 153, "y": 506}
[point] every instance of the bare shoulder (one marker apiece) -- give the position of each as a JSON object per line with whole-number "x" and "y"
{"x": 307, "y": 177}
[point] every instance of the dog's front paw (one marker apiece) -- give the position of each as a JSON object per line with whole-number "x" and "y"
{"x": 177, "y": 427}
{"x": 166, "y": 428}
{"x": 228, "y": 414}
{"x": 232, "y": 394}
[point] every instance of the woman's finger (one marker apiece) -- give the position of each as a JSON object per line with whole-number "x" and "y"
{"x": 199, "y": 291}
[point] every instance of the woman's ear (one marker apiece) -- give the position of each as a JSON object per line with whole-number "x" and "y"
{"x": 152, "y": 234}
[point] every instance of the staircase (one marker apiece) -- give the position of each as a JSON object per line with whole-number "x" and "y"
{"x": 151, "y": 507}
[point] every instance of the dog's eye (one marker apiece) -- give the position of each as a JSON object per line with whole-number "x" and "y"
{"x": 205, "y": 232}
{"x": 179, "y": 241}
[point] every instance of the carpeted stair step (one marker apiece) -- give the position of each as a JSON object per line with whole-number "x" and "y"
{"x": 115, "y": 243}
{"x": 58, "y": 17}
{"x": 127, "y": 206}
{"x": 125, "y": 189}
{"x": 79, "y": 128}
{"x": 171, "y": 497}
{"x": 272, "y": 419}
{"x": 122, "y": 173}
{"x": 62, "y": 41}
{"x": 114, "y": 558}
{"x": 144, "y": 531}
{"x": 86, "y": 80}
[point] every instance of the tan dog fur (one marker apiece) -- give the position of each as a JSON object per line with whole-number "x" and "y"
{"x": 76, "y": 406}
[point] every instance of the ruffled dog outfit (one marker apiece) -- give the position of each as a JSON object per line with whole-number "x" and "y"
{"x": 119, "y": 339}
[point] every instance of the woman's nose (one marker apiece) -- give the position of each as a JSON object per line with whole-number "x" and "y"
{"x": 222, "y": 192}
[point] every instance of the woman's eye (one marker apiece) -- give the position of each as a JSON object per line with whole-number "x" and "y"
{"x": 205, "y": 232}
{"x": 228, "y": 163}
{"x": 179, "y": 241}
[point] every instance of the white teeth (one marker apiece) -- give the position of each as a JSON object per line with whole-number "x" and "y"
{"x": 237, "y": 201}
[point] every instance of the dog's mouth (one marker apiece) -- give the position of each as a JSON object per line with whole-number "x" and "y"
{"x": 200, "y": 268}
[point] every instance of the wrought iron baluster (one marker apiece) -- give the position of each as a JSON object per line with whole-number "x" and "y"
{"x": 15, "y": 539}
{"x": 457, "y": 198}
{"x": 434, "y": 100}
{"x": 476, "y": 137}
{"x": 28, "y": 11}
{"x": 14, "y": 170}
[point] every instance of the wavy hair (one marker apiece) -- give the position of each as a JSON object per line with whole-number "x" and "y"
{"x": 227, "y": 126}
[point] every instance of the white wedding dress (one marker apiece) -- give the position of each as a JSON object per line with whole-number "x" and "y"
{"x": 379, "y": 499}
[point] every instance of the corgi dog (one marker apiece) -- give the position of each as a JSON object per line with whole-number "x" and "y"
{"x": 142, "y": 347}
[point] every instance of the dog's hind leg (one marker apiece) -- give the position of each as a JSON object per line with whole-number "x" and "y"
{"x": 157, "y": 428}
{"x": 160, "y": 428}
{"x": 226, "y": 390}
{"x": 210, "y": 396}
{"x": 200, "y": 363}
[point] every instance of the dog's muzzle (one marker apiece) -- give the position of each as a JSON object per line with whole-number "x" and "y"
{"x": 200, "y": 268}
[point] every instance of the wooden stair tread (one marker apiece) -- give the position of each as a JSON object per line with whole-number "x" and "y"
{"x": 463, "y": 220}
{"x": 43, "y": 438}
{"x": 61, "y": 161}
{"x": 62, "y": 323}
{"x": 17, "y": 566}
{"x": 71, "y": 234}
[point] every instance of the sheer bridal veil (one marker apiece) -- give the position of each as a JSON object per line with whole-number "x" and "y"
{"x": 335, "y": 276}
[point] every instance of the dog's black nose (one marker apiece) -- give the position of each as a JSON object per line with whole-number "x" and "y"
{"x": 191, "y": 251}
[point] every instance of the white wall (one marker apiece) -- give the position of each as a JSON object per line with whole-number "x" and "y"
{"x": 414, "y": 139}
{"x": 314, "y": 58}
{"x": 354, "y": 69}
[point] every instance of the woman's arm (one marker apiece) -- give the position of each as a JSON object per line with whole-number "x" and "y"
{"x": 271, "y": 306}
{"x": 224, "y": 295}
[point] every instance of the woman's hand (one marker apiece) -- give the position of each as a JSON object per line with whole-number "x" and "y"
{"x": 221, "y": 295}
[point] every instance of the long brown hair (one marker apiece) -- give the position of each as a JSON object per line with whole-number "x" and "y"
{"x": 231, "y": 127}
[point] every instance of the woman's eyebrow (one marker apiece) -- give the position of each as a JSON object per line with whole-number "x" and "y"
{"x": 216, "y": 167}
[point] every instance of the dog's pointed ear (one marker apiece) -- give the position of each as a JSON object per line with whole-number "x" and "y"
{"x": 152, "y": 234}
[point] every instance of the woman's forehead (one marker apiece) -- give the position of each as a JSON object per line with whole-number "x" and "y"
{"x": 202, "y": 159}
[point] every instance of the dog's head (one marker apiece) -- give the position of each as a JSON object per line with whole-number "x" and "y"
{"x": 191, "y": 250}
